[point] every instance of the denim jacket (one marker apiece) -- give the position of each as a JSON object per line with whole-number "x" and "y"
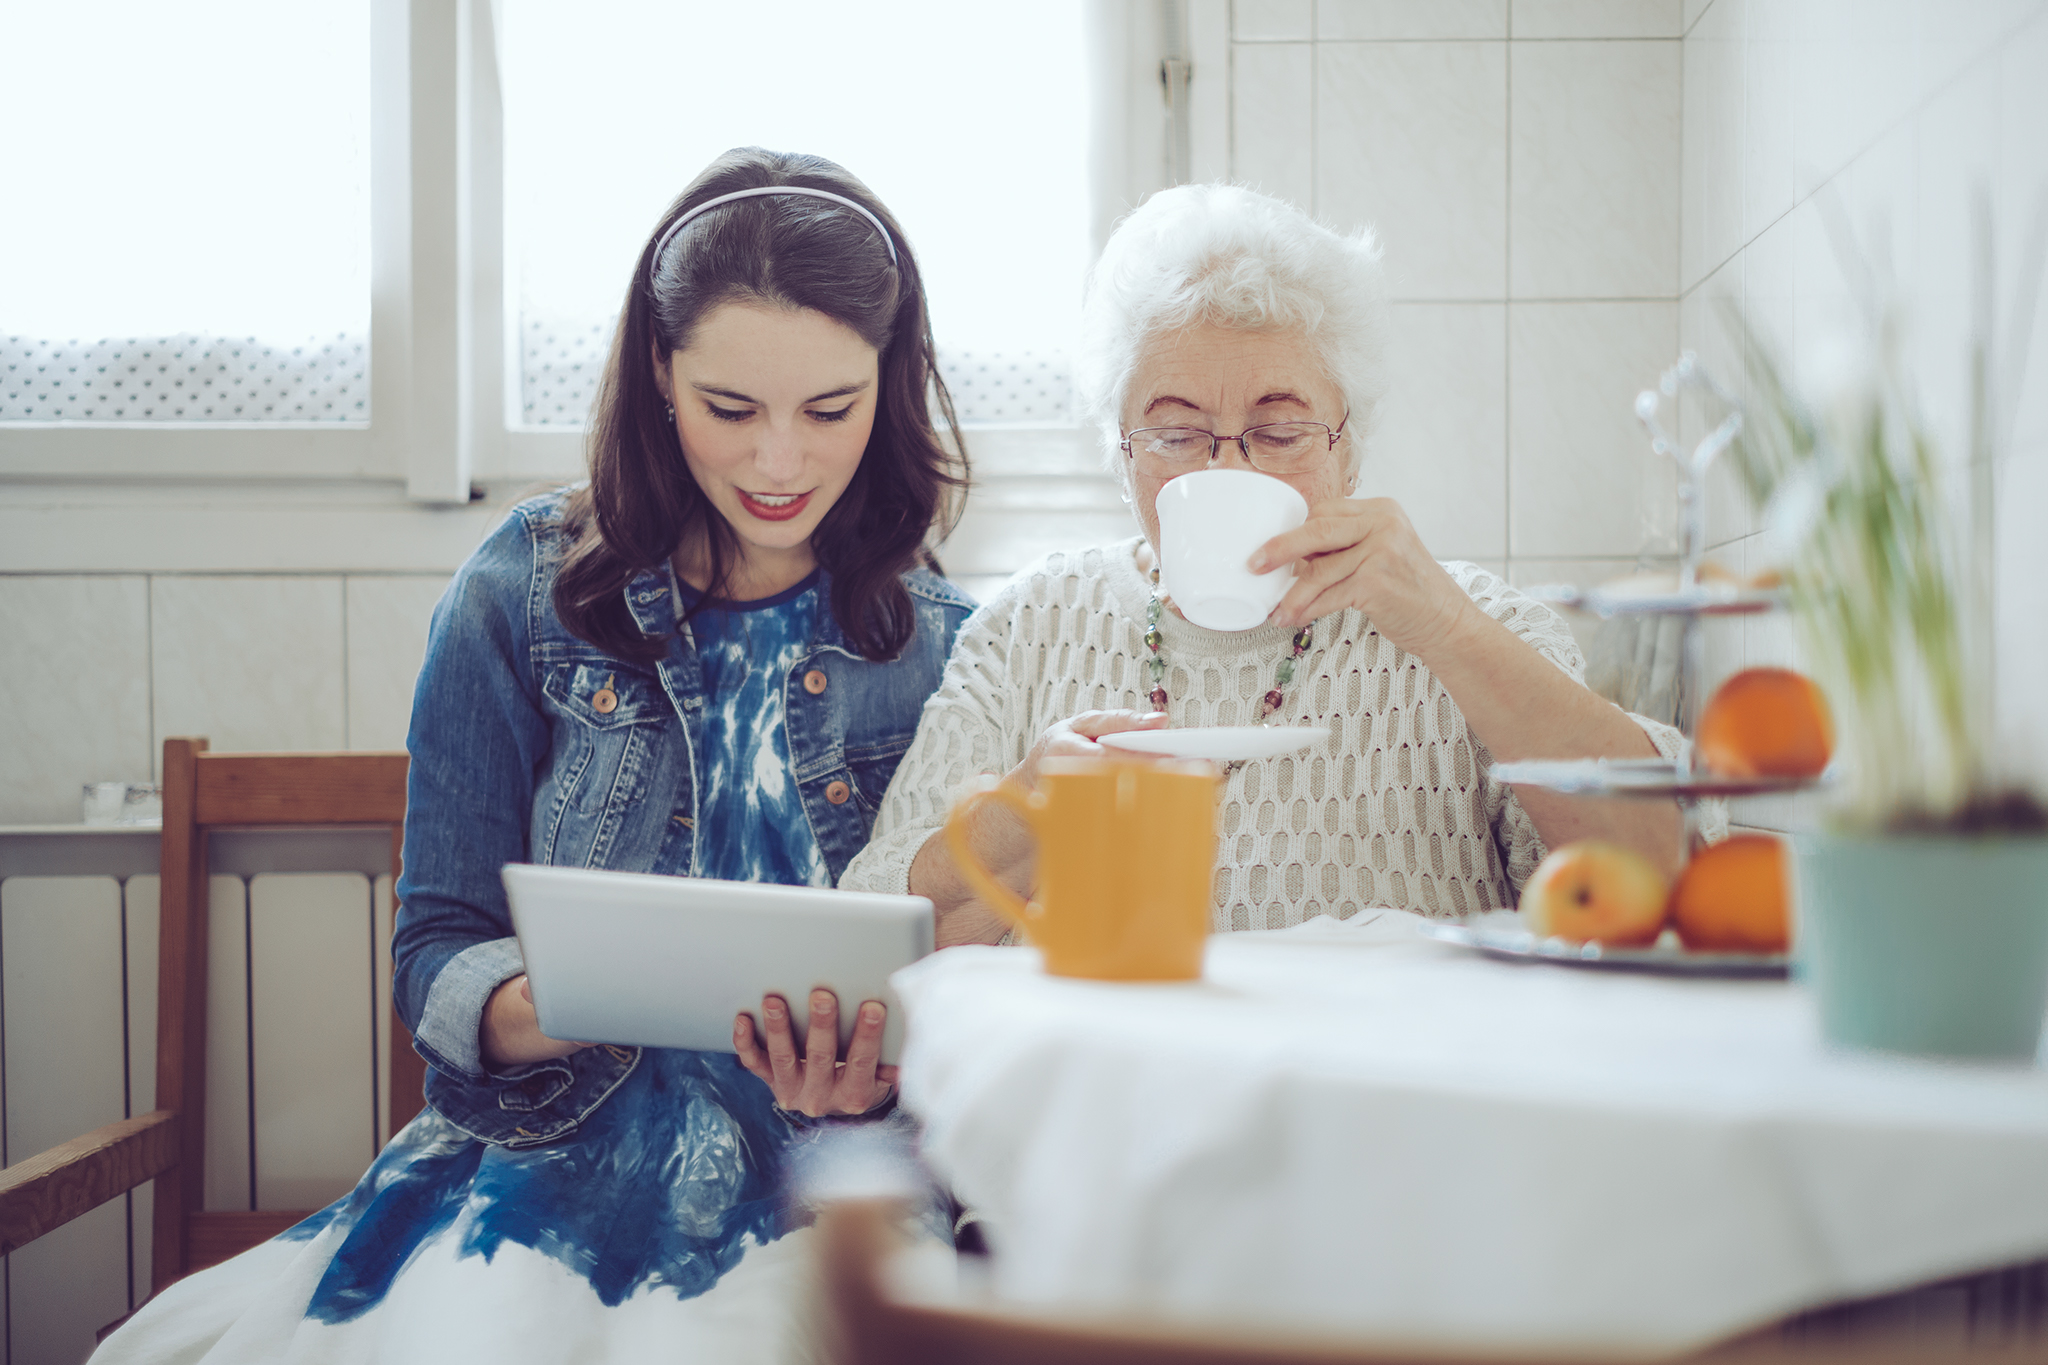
{"x": 514, "y": 759}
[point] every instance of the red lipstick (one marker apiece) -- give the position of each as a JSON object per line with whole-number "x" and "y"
{"x": 775, "y": 511}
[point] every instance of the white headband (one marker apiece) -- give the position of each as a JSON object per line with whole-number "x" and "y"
{"x": 654, "y": 261}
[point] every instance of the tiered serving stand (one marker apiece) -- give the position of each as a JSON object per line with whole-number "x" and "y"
{"x": 1691, "y": 602}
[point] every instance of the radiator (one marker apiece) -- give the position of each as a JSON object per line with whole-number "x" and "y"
{"x": 298, "y": 1005}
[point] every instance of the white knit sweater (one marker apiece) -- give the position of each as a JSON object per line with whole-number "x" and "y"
{"x": 1402, "y": 811}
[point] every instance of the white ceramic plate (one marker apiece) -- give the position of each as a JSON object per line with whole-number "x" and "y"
{"x": 1501, "y": 936}
{"x": 1223, "y": 743}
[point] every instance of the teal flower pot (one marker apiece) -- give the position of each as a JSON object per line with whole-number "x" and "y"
{"x": 1936, "y": 946}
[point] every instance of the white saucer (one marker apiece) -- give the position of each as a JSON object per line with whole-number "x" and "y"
{"x": 1223, "y": 743}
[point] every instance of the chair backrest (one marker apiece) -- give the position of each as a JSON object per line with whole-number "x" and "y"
{"x": 204, "y": 791}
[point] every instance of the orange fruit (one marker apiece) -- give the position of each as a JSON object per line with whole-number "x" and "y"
{"x": 1766, "y": 722}
{"x": 1591, "y": 889}
{"x": 1734, "y": 897}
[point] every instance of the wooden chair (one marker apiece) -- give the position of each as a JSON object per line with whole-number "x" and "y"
{"x": 204, "y": 791}
{"x": 865, "y": 1325}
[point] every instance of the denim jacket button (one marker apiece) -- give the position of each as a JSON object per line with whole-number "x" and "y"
{"x": 814, "y": 683}
{"x": 837, "y": 792}
{"x": 604, "y": 701}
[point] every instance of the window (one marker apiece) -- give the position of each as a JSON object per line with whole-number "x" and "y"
{"x": 220, "y": 190}
{"x": 969, "y": 121}
{"x": 188, "y": 231}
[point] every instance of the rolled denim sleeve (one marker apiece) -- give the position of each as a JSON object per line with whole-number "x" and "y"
{"x": 478, "y": 741}
{"x": 451, "y": 1023}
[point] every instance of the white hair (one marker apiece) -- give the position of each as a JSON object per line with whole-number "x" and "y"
{"x": 1231, "y": 256}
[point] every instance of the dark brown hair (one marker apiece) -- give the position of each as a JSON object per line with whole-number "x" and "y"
{"x": 785, "y": 251}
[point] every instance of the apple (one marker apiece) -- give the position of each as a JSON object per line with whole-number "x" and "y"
{"x": 1593, "y": 890}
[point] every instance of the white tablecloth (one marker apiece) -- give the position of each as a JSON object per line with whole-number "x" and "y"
{"x": 1348, "y": 1128}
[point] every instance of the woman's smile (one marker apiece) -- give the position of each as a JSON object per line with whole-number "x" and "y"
{"x": 775, "y": 506}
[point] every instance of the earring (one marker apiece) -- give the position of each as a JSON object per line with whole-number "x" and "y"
{"x": 670, "y": 410}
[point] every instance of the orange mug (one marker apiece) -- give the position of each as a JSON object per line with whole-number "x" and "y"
{"x": 1126, "y": 851}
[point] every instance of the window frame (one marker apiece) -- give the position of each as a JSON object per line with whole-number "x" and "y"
{"x": 443, "y": 380}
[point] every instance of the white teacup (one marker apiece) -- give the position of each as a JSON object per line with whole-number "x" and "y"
{"x": 1209, "y": 524}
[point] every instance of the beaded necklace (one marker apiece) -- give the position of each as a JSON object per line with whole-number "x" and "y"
{"x": 1155, "y": 660}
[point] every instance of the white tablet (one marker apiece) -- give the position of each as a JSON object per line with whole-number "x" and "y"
{"x": 624, "y": 957}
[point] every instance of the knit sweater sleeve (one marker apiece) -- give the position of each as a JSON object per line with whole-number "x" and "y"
{"x": 1521, "y": 846}
{"x": 972, "y": 725}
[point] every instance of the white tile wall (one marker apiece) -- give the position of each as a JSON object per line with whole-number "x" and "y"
{"x": 99, "y": 670}
{"x": 1265, "y": 20}
{"x": 1888, "y": 119}
{"x": 1597, "y": 18}
{"x": 1502, "y": 150}
{"x": 1441, "y": 450}
{"x": 1397, "y": 19}
{"x": 74, "y": 691}
{"x": 1412, "y": 138}
{"x": 1581, "y": 478}
{"x": 1272, "y": 126}
{"x": 2018, "y": 212}
{"x": 250, "y": 663}
{"x": 1712, "y": 163}
{"x": 1594, "y": 190}
{"x": 386, "y": 621}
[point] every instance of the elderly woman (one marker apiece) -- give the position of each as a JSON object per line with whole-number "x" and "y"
{"x": 1220, "y": 310}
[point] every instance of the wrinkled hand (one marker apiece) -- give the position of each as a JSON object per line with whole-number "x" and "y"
{"x": 1364, "y": 553}
{"x": 817, "y": 1083}
{"x": 1076, "y": 736}
{"x": 510, "y": 1033}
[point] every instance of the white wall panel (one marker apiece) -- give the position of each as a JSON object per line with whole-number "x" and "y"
{"x": 228, "y": 1185}
{"x": 227, "y": 1035}
{"x": 1267, "y": 20}
{"x": 143, "y": 917}
{"x": 1441, "y": 451}
{"x": 313, "y": 1038}
{"x": 2022, "y": 187}
{"x": 1598, "y": 18}
{"x": 1272, "y": 119}
{"x": 1404, "y": 19}
{"x": 1594, "y": 152}
{"x": 386, "y": 621}
{"x": 1412, "y": 138}
{"x": 74, "y": 691}
{"x": 250, "y": 663}
{"x": 60, "y": 969}
{"x": 1712, "y": 170}
{"x": 1583, "y": 480}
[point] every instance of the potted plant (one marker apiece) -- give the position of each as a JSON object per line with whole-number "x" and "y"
{"x": 1923, "y": 903}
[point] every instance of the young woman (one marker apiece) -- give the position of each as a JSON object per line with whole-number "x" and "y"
{"x": 707, "y": 661}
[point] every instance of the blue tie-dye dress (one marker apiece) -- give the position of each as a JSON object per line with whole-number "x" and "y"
{"x": 660, "y": 1231}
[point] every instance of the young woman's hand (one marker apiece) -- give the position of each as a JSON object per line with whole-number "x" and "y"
{"x": 817, "y": 1082}
{"x": 510, "y": 1034}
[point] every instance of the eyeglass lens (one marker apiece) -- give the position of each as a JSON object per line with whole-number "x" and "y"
{"x": 1281, "y": 448}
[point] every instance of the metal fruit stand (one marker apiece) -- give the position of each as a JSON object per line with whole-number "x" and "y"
{"x": 1690, "y": 601}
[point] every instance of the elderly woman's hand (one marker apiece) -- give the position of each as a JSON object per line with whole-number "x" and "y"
{"x": 1364, "y": 553}
{"x": 1075, "y": 737}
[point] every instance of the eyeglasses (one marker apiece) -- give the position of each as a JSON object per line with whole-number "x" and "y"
{"x": 1275, "y": 448}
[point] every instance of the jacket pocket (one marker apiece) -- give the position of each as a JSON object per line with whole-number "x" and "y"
{"x": 872, "y": 765}
{"x": 608, "y": 719}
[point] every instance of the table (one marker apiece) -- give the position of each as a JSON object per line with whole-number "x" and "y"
{"x": 1347, "y": 1128}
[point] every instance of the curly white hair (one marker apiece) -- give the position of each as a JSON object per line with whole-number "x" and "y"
{"x": 1231, "y": 256}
